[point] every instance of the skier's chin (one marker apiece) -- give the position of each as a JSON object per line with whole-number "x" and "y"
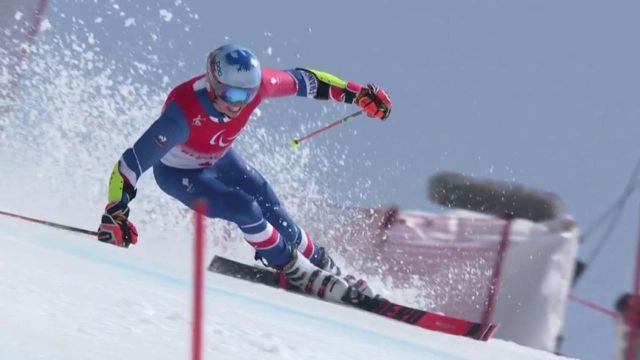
{"x": 230, "y": 110}
{"x": 234, "y": 112}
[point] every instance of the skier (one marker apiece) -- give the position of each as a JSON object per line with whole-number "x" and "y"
{"x": 190, "y": 149}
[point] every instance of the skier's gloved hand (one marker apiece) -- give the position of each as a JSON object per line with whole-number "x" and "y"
{"x": 374, "y": 101}
{"x": 115, "y": 227}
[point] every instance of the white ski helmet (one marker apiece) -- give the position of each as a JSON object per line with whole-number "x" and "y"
{"x": 234, "y": 74}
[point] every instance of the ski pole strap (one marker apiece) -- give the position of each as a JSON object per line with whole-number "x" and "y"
{"x": 296, "y": 142}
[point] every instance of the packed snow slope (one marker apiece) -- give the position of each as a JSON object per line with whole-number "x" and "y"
{"x": 67, "y": 296}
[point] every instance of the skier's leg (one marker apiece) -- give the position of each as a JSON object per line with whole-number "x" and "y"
{"x": 234, "y": 171}
{"x": 234, "y": 205}
{"x": 189, "y": 186}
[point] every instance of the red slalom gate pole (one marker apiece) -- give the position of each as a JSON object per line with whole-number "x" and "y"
{"x": 198, "y": 281}
{"x": 633, "y": 318}
{"x": 496, "y": 275}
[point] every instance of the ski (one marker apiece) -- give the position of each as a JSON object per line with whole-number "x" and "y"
{"x": 421, "y": 318}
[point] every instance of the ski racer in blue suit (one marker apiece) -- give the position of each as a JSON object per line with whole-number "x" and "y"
{"x": 190, "y": 150}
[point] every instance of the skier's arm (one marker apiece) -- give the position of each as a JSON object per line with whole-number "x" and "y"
{"x": 321, "y": 85}
{"x": 308, "y": 83}
{"x": 168, "y": 131}
{"x": 324, "y": 86}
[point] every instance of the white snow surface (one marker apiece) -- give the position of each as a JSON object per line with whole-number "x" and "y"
{"x": 68, "y": 296}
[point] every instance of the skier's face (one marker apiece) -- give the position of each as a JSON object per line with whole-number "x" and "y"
{"x": 231, "y": 110}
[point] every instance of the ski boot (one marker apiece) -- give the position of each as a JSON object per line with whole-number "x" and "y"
{"x": 359, "y": 285}
{"x": 300, "y": 272}
{"x": 325, "y": 262}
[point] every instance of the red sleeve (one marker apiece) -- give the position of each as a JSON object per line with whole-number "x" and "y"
{"x": 276, "y": 83}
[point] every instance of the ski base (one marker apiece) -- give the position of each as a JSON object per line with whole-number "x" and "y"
{"x": 421, "y": 318}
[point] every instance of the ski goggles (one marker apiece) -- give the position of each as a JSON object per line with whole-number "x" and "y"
{"x": 231, "y": 94}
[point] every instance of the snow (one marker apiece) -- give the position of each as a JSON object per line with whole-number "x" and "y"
{"x": 166, "y": 15}
{"x": 72, "y": 297}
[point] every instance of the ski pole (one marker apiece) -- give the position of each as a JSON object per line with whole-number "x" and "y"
{"x": 296, "y": 142}
{"x": 52, "y": 224}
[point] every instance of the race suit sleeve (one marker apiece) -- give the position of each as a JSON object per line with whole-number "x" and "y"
{"x": 308, "y": 83}
{"x": 169, "y": 130}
